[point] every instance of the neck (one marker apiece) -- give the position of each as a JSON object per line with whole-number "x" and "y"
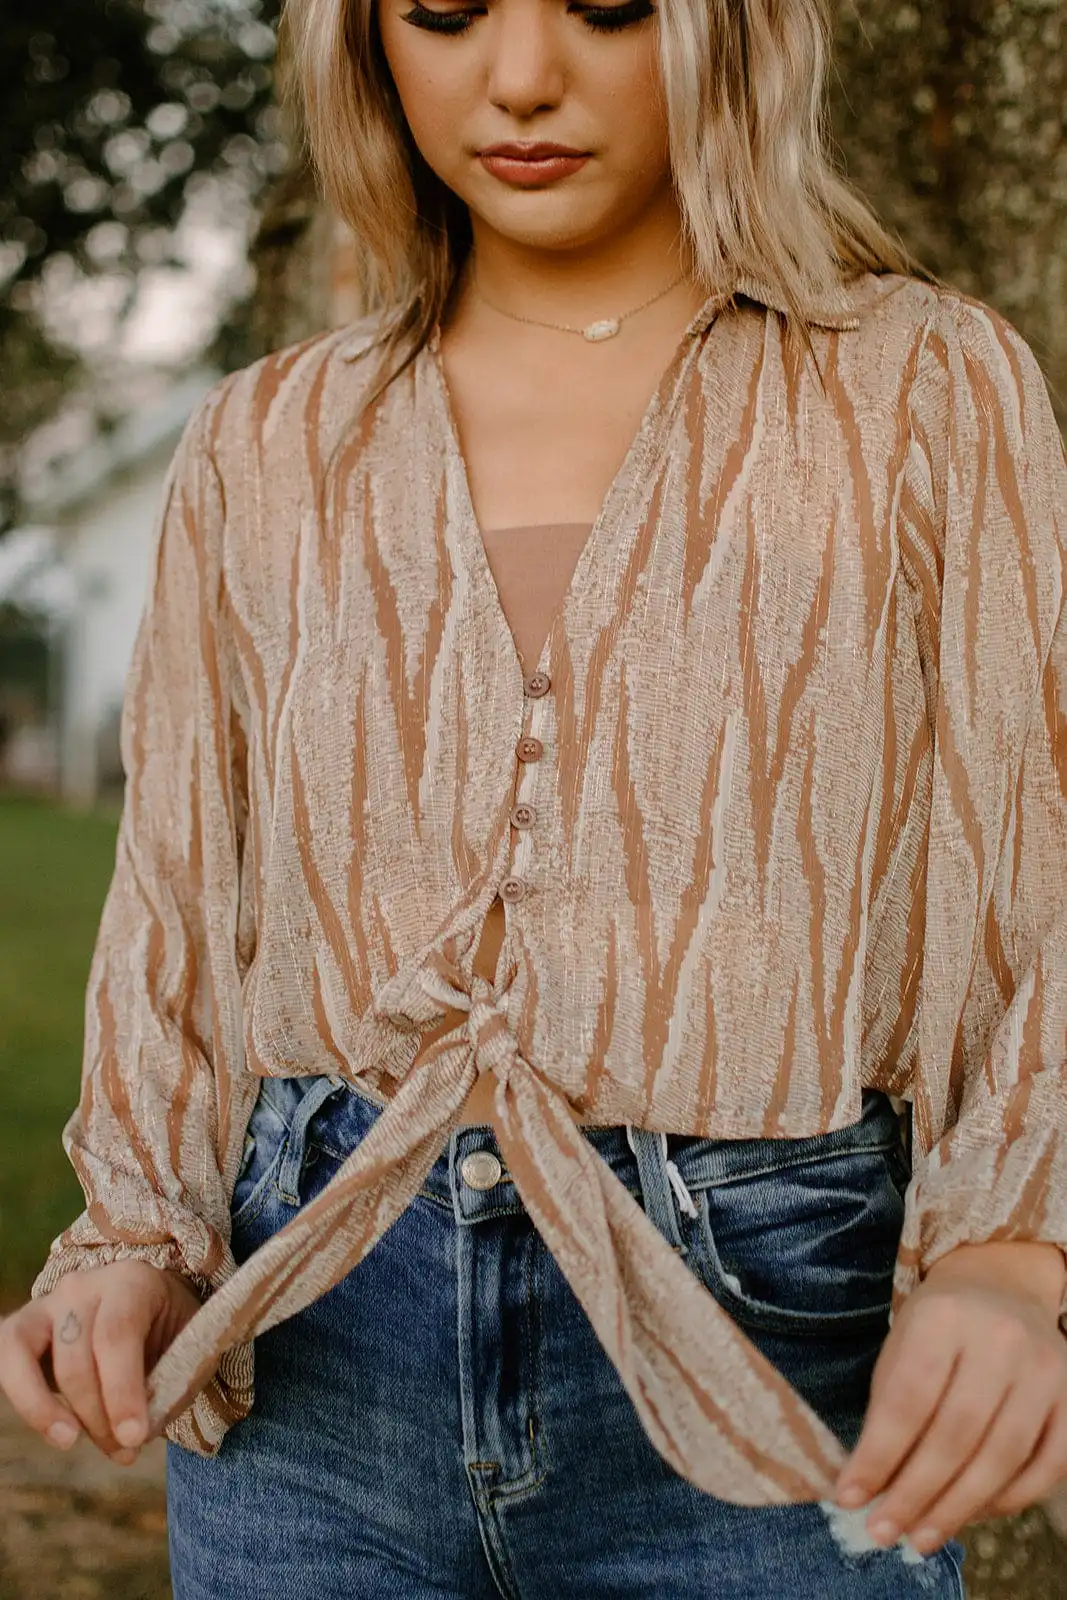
{"x": 604, "y": 278}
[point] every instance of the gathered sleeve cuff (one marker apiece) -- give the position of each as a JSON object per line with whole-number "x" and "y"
{"x": 157, "y": 1135}
{"x": 985, "y": 508}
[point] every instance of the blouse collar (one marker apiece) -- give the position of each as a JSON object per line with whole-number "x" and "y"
{"x": 836, "y": 310}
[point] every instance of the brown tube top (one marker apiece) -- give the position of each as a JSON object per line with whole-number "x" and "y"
{"x": 532, "y": 569}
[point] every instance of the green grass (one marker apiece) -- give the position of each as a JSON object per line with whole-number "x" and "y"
{"x": 55, "y": 867}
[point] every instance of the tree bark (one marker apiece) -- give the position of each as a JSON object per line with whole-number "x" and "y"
{"x": 950, "y": 117}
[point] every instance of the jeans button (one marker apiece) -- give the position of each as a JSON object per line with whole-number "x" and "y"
{"x": 481, "y": 1170}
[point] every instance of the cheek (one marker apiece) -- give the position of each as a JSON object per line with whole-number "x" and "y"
{"x": 434, "y": 91}
{"x": 641, "y": 143}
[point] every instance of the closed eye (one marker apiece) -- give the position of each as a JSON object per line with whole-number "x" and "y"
{"x": 608, "y": 18}
{"x": 438, "y": 21}
{"x": 603, "y": 19}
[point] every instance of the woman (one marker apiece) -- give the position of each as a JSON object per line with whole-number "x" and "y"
{"x": 595, "y": 756}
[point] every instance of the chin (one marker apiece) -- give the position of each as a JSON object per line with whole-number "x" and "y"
{"x": 548, "y": 227}
{"x": 545, "y": 239}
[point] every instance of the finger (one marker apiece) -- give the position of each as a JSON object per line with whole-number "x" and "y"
{"x": 119, "y": 1334}
{"x": 909, "y": 1378}
{"x": 25, "y": 1339}
{"x": 1043, "y": 1472}
{"x": 950, "y": 1441}
{"x": 76, "y": 1374}
{"x": 1004, "y": 1450}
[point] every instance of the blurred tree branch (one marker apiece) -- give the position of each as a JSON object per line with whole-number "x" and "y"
{"x": 113, "y": 115}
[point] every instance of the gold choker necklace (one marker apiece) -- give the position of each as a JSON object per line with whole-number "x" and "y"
{"x": 594, "y": 332}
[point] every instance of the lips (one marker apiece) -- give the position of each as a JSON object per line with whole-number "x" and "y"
{"x": 532, "y": 165}
{"x": 539, "y": 150}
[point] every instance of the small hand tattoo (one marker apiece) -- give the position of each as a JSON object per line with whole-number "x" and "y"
{"x": 71, "y": 1329}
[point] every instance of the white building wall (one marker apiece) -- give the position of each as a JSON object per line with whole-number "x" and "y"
{"x": 109, "y": 551}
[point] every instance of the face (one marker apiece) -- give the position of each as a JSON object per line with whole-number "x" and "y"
{"x": 475, "y": 74}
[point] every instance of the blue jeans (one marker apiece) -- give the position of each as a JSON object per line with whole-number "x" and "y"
{"x": 444, "y": 1423}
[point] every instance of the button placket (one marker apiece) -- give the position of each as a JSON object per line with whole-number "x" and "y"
{"x": 516, "y": 885}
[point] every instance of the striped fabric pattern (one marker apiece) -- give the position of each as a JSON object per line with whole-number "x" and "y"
{"x": 801, "y": 828}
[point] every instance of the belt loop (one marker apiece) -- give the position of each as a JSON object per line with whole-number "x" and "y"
{"x": 319, "y": 1090}
{"x": 658, "y": 1177}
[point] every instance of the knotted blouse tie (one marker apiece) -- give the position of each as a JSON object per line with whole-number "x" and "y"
{"x": 689, "y": 1394}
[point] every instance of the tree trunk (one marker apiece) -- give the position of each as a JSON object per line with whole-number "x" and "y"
{"x": 950, "y": 118}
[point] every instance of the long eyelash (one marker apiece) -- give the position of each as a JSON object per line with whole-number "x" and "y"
{"x": 438, "y": 21}
{"x": 607, "y": 18}
{"x": 604, "y": 19}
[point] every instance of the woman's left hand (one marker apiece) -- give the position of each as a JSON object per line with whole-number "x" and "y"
{"x": 967, "y": 1416}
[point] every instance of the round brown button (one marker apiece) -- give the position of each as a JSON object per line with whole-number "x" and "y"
{"x": 529, "y": 748}
{"x": 523, "y": 816}
{"x": 537, "y": 684}
{"x": 512, "y": 889}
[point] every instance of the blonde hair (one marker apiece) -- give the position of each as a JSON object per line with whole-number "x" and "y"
{"x": 745, "y": 85}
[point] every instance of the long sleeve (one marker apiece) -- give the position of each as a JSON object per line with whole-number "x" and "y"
{"x": 155, "y": 1139}
{"x": 987, "y": 500}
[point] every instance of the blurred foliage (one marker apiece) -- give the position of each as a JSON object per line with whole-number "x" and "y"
{"x": 113, "y": 113}
{"x": 23, "y": 655}
{"x": 55, "y": 866}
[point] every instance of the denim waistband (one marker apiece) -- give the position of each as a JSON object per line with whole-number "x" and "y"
{"x": 658, "y": 1168}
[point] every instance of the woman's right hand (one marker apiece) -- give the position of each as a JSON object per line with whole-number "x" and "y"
{"x": 78, "y": 1357}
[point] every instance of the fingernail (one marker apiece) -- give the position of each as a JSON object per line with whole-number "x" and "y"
{"x": 130, "y": 1432}
{"x": 882, "y": 1528}
{"x": 125, "y": 1458}
{"x": 63, "y": 1434}
{"x": 927, "y": 1539}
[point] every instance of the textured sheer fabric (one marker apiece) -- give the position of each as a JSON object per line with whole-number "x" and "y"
{"x": 798, "y": 778}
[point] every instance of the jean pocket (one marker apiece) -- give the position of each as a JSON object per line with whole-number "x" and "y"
{"x": 264, "y": 1151}
{"x": 899, "y": 1168}
{"x": 803, "y": 1248}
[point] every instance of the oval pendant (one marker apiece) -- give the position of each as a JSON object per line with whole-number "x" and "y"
{"x": 601, "y": 330}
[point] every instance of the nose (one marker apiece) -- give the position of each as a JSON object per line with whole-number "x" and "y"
{"x": 526, "y": 71}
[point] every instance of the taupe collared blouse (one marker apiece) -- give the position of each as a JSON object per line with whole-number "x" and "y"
{"x": 797, "y": 753}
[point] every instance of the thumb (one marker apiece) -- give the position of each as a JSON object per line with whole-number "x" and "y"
{"x": 178, "y": 1306}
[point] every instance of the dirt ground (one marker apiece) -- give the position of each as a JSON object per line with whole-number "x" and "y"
{"x": 74, "y": 1527}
